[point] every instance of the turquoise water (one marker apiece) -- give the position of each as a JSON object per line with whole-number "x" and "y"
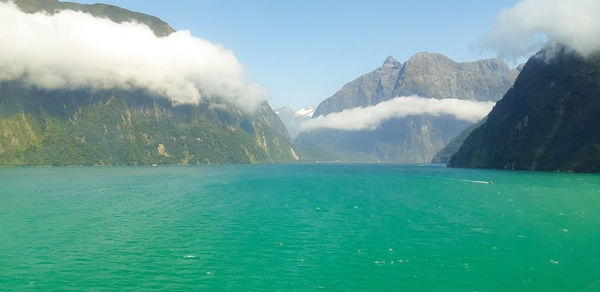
{"x": 331, "y": 227}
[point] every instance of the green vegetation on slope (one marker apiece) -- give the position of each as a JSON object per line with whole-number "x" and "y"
{"x": 119, "y": 128}
{"x": 547, "y": 121}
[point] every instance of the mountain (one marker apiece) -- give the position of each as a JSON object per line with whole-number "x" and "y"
{"x": 427, "y": 75}
{"x": 414, "y": 138}
{"x": 114, "y": 13}
{"x": 129, "y": 126}
{"x": 293, "y": 119}
{"x": 547, "y": 121}
{"x": 444, "y": 155}
{"x": 307, "y": 111}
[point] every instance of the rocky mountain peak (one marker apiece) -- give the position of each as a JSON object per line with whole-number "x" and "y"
{"x": 294, "y": 119}
{"x": 306, "y": 111}
{"x": 285, "y": 109}
{"x": 428, "y": 58}
{"x": 391, "y": 61}
{"x": 424, "y": 74}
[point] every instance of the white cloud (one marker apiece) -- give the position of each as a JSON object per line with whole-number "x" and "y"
{"x": 74, "y": 50}
{"x": 369, "y": 118}
{"x": 524, "y": 28}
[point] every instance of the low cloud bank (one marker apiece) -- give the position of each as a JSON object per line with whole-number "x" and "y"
{"x": 369, "y": 118}
{"x": 74, "y": 50}
{"x": 526, "y": 27}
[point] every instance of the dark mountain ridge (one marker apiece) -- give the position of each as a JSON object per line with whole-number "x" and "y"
{"x": 547, "y": 121}
{"x": 444, "y": 155}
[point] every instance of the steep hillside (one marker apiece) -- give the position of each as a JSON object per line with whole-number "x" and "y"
{"x": 112, "y": 126}
{"x": 444, "y": 155}
{"x": 124, "y": 127}
{"x": 547, "y": 121}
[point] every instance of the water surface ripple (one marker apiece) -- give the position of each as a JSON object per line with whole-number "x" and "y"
{"x": 332, "y": 227}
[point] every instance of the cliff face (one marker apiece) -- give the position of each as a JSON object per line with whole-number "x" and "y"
{"x": 119, "y": 127}
{"x": 547, "y": 121}
{"x": 415, "y": 138}
{"x": 427, "y": 75}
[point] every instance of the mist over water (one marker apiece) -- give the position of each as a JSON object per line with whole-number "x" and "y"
{"x": 297, "y": 227}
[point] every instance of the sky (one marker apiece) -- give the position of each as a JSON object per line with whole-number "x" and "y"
{"x": 302, "y": 52}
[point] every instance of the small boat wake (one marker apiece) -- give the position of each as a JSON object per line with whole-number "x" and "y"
{"x": 473, "y": 181}
{"x": 478, "y": 181}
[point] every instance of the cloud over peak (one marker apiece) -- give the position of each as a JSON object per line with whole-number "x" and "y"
{"x": 524, "y": 28}
{"x": 74, "y": 50}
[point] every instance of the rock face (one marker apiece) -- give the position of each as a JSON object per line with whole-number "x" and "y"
{"x": 121, "y": 127}
{"x": 547, "y": 121}
{"x": 413, "y": 138}
{"x": 427, "y": 75}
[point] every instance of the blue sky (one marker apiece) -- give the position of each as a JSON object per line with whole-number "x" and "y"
{"x": 304, "y": 51}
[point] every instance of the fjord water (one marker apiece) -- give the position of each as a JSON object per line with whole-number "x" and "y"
{"x": 333, "y": 227}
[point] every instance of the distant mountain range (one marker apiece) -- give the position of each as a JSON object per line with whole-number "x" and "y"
{"x": 427, "y": 75}
{"x": 294, "y": 119}
{"x": 547, "y": 121}
{"x": 129, "y": 126}
{"x": 414, "y": 137}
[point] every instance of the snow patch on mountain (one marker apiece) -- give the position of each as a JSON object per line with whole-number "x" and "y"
{"x": 307, "y": 111}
